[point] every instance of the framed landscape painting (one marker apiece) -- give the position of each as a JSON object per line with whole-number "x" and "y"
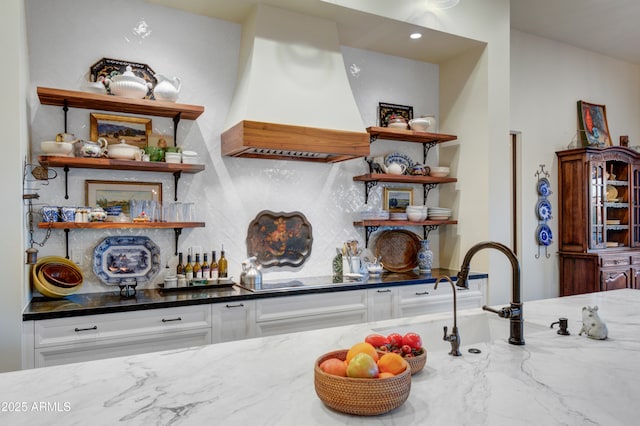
{"x": 397, "y": 199}
{"x": 114, "y": 128}
{"x": 593, "y": 126}
{"x": 108, "y": 193}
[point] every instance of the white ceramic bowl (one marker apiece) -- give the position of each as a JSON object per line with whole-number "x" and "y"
{"x": 123, "y": 151}
{"x": 439, "y": 171}
{"x": 415, "y": 216}
{"x": 57, "y": 148}
{"x": 190, "y": 160}
{"x": 172, "y": 157}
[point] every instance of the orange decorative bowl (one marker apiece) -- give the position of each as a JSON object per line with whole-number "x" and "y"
{"x": 416, "y": 362}
{"x": 364, "y": 397}
{"x": 62, "y": 275}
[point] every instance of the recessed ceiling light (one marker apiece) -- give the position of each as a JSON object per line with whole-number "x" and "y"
{"x": 415, "y": 36}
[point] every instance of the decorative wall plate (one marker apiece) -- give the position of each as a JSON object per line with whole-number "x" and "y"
{"x": 117, "y": 259}
{"x": 612, "y": 193}
{"x": 398, "y": 249}
{"x": 543, "y": 234}
{"x": 543, "y": 209}
{"x": 386, "y": 110}
{"x": 398, "y": 157}
{"x": 544, "y": 187}
{"x": 107, "y": 67}
{"x": 279, "y": 239}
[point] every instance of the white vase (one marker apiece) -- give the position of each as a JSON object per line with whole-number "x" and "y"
{"x": 425, "y": 257}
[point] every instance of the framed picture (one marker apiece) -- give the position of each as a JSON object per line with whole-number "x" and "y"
{"x": 114, "y": 128}
{"x": 279, "y": 239}
{"x": 397, "y": 199}
{"x": 385, "y": 111}
{"x": 593, "y": 126}
{"x": 109, "y": 193}
{"x": 160, "y": 141}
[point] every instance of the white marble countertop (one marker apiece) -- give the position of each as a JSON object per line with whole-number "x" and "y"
{"x": 552, "y": 380}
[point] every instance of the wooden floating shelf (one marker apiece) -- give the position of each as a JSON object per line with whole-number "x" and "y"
{"x": 120, "y": 225}
{"x": 107, "y": 163}
{"x": 404, "y": 222}
{"x": 385, "y": 177}
{"x": 408, "y": 135}
{"x": 87, "y": 100}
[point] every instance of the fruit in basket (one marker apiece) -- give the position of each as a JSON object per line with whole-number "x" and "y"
{"x": 362, "y": 366}
{"x": 334, "y": 366}
{"x": 362, "y": 347}
{"x": 395, "y": 340}
{"x": 392, "y": 363}
{"x": 377, "y": 340}
{"x": 413, "y": 340}
{"x": 409, "y": 345}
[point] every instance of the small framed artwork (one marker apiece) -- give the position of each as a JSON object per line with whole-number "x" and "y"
{"x": 385, "y": 111}
{"x": 593, "y": 126}
{"x": 114, "y": 128}
{"x": 397, "y": 199}
{"x": 160, "y": 141}
{"x": 109, "y": 193}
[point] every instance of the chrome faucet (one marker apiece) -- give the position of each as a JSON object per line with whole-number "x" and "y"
{"x": 513, "y": 312}
{"x": 454, "y": 337}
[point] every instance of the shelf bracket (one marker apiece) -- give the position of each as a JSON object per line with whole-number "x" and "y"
{"x": 66, "y": 181}
{"x": 428, "y": 187}
{"x": 176, "y": 120}
{"x": 177, "y": 232}
{"x": 65, "y": 108}
{"x": 373, "y": 138}
{"x": 176, "y": 178}
{"x": 368, "y": 186}
{"x": 426, "y": 229}
{"x": 427, "y": 146}
{"x": 370, "y": 229}
{"x": 66, "y": 242}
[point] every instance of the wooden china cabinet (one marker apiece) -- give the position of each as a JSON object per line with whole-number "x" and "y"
{"x": 599, "y": 219}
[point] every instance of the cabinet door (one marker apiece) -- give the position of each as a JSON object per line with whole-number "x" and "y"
{"x": 382, "y": 303}
{"x": 597, "y": 197}
{"x": 615, "y": 278}
{"x": 635, "y": 207}
{"x": 233, "y": 321}
{"x": 617, "y": 203}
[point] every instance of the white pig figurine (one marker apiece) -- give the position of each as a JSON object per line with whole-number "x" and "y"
{"x": 592, "y": 325}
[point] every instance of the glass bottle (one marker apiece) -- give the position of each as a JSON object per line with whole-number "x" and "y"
{"x": 204, "y": 269}
{"x": 197, "y": 268}
{"x": 213, "y": 268}
{"x": 180, "y": 266}
{"x": 222, "y": 265}
{"x": 425, "y": 257}
{"x": 188, "y": 270}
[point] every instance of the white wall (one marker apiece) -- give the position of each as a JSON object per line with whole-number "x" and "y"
{"x": 547, "y": 79}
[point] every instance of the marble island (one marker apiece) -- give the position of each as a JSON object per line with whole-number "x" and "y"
{"x": 553, "y": 379}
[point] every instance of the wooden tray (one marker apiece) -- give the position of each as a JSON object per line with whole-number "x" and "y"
{"x": 398, "y": 249}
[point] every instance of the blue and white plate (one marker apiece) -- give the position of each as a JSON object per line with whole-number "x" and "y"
{"x": 544, "y": 187}
{"x": 398, "y": 157}
{"x": 117, "y": 259}
{"x": 543, "y": 208}
{"x": 543, "y": 235}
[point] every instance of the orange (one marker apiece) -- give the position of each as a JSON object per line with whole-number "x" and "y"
{"x": 385, "y": 375}
{"x": 392, "y": 363}
{"x": 334, "y": 366}
{"x": 362, "y": 347}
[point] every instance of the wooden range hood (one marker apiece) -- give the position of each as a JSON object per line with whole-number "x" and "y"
{"x": 254, "y": 139}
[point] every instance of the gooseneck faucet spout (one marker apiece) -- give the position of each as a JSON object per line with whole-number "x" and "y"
{"x": 454, "y": 337}
{"x": 514, "y": 311}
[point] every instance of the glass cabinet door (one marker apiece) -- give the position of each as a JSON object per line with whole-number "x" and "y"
{"x": 617, "y": 208}
{"x": 635, "y": 208}
{"x": 597, "y": 210}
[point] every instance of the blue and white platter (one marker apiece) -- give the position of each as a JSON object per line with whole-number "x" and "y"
{"x": 543, "y": 235}
{"x": 544, "y": 187}
{"x": 117, "y": 259}
{"x": 398, "y": 157}
{"x": 543, "y": 209}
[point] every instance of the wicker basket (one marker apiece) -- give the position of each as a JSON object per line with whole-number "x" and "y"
{"x": 364, "y": 397}
{"x": 416, "y": 363}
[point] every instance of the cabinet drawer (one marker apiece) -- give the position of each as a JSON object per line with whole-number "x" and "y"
{"x": 89, "y": 328}
{"x": 635, "y": 259}
{"x": 309, "y": 304}
{"x": 606, "y": 261}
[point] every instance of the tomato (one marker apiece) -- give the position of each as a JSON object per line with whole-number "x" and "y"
{"x": 376, "y": 340}
{"x": 395, "y": 339}
{"x": 413, "y": 340}
{"x": 406, "y": 349}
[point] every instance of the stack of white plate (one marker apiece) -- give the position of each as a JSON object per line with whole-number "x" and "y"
{"x": 397, "y": 216}
{"x": 438, "y": 213}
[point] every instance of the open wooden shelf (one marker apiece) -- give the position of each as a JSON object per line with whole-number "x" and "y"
{"x": 87, "y": 100}
{"x": 404, "y": 223}
{"x": 408, "y": 135}
{"x": 107, "y": 163}
{"x": 385, "y": 177}
{"x": 120, "y": 225}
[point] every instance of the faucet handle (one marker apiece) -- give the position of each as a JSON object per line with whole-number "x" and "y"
{"x": 445, "y": 337}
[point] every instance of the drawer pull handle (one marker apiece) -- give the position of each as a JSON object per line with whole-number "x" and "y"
{"x": 171, "y": 319}
{"x": 462, "y": 289}
{"x": 384, "y": 291}
{"x": 239, "y": 305}
{"x": 418, "y": 293}
{"x": 95, "y": 327}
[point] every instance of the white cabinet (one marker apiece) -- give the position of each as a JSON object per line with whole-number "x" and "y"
{"x": 382, "y": 303}
{"x": 233, "y": 321}
{"x": 84, "y": 338}
{"x": 423, "y": 299}
{"x": 279, "y": 315}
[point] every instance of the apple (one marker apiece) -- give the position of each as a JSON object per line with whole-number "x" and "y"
{"x": 362, "y": 366}
{"x": 334, "y": 366}
{"x": 377, "y": 340}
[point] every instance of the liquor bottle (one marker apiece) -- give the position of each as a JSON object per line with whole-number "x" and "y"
{"x": 197, "y": 268}
{"x": 204, "y": 269}
{"x": 188, "y": 270}
{"x": 213, "y": 268}
{"x": 180, "y": 266}
{"x": 222, "y": 265}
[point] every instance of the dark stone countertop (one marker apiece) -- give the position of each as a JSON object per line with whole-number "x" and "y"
{"x": 80, "y": 304}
